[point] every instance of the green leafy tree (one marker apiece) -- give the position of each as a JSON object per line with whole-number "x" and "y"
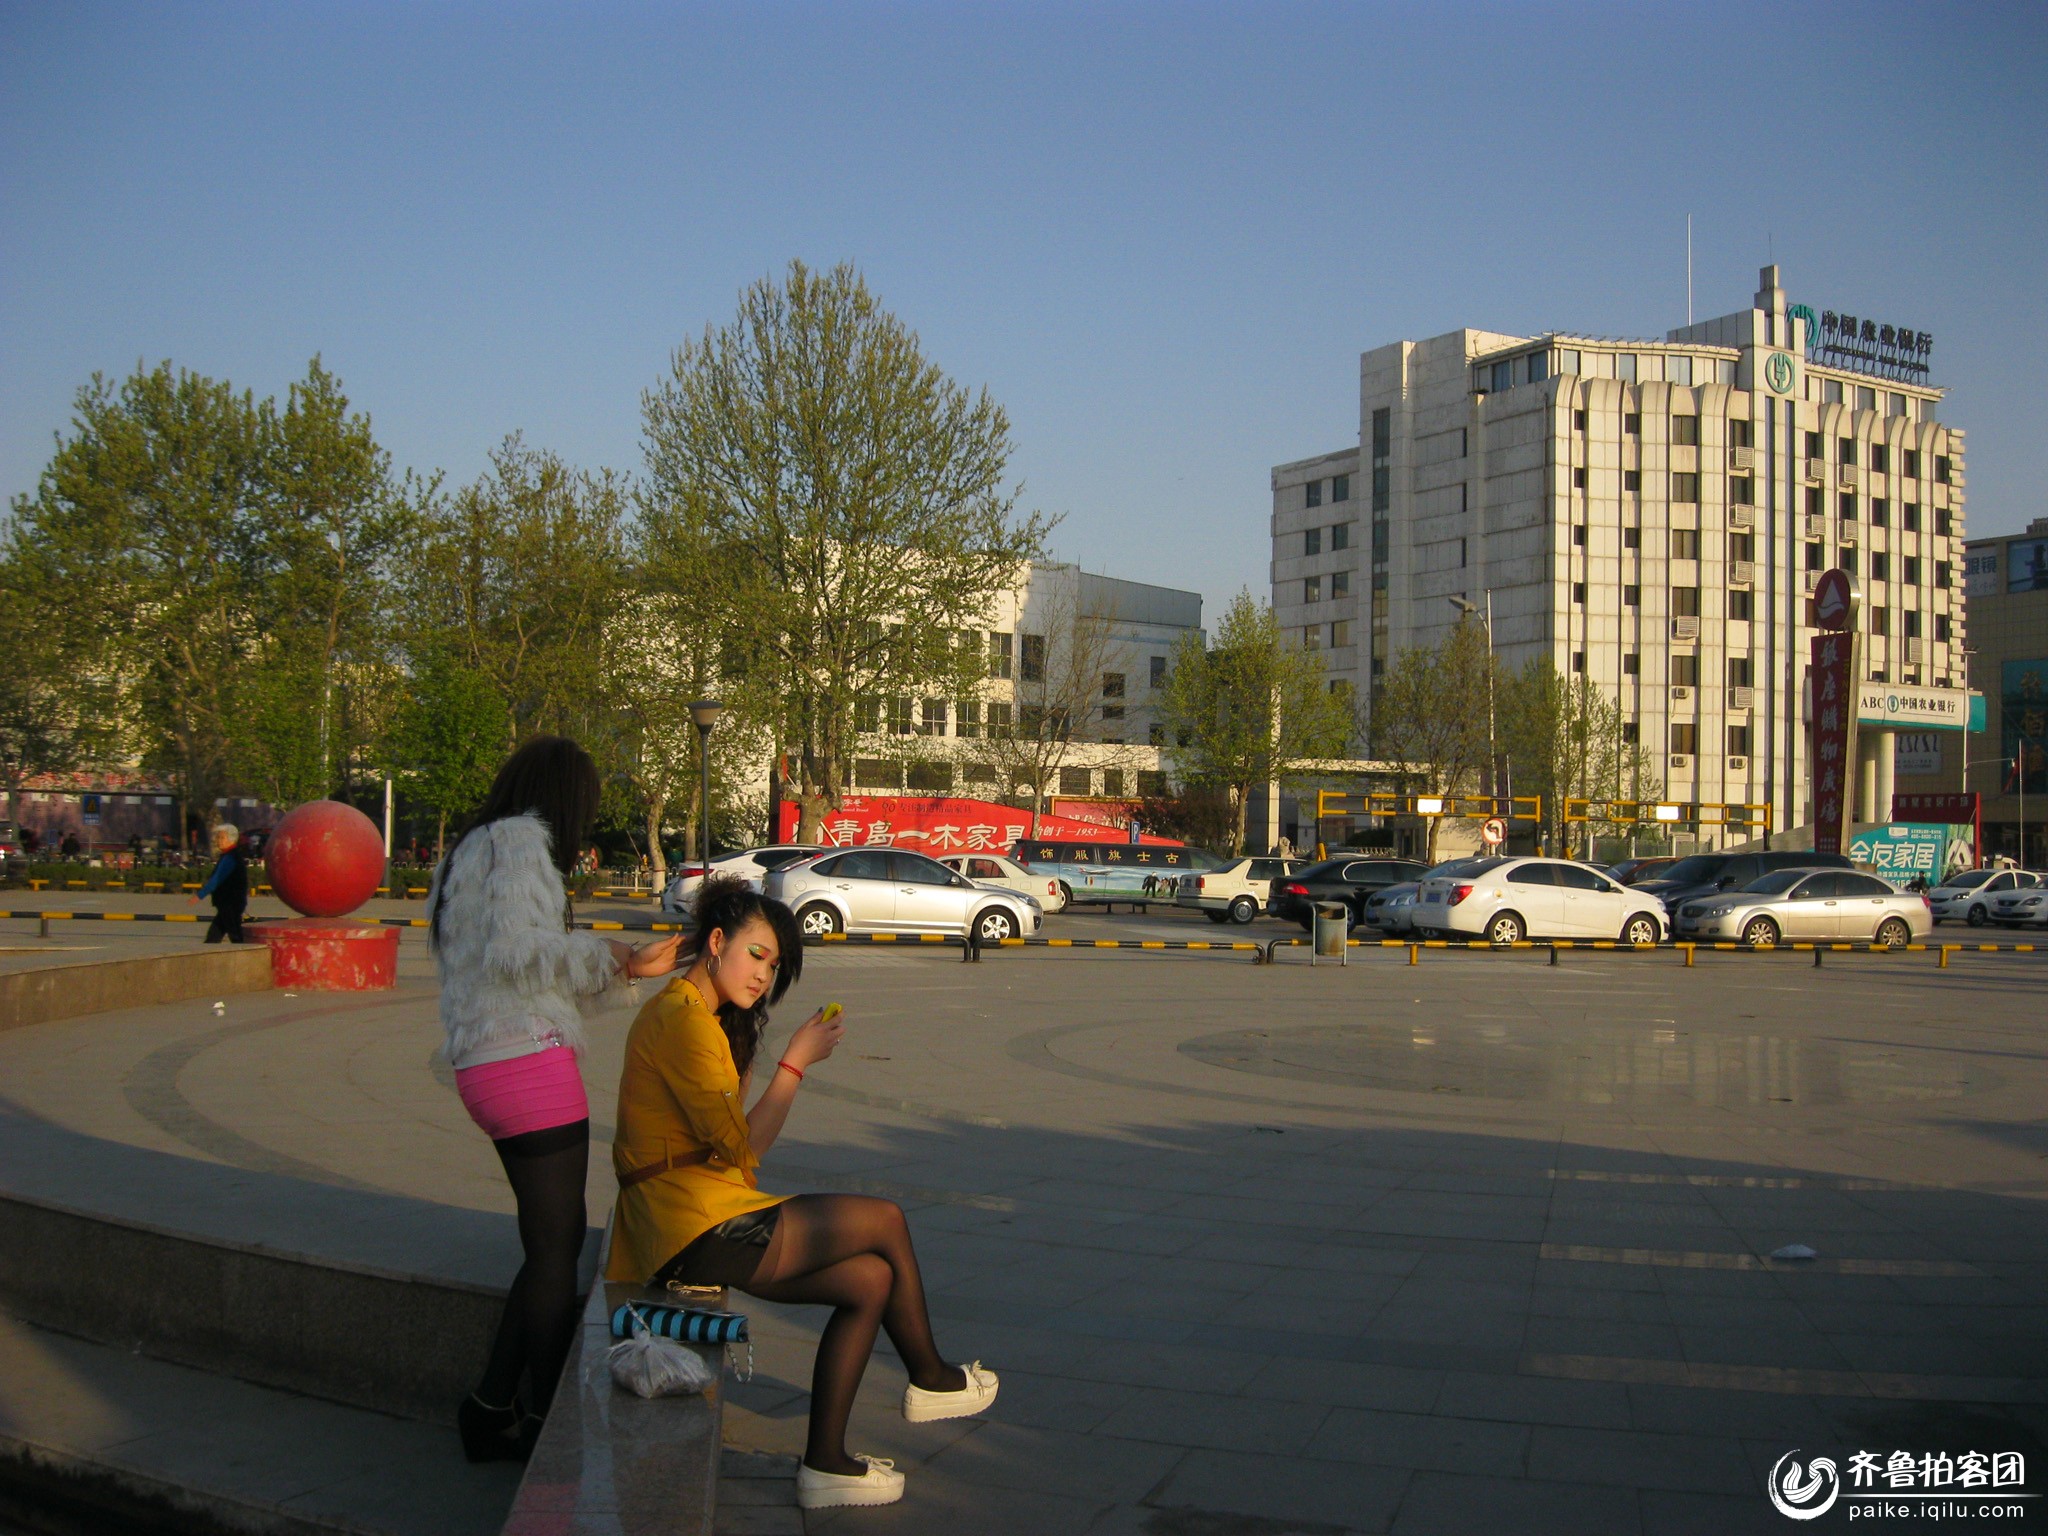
{"x": 449, "y": 736}
{"x": 1250, "y": 709}
{"x": 1565, "y": 736}
{"x": 1429, "y": 717}
{"x": 844, "y": 504}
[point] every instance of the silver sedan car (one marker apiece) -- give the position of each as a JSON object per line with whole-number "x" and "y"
{"x": 892, "y": 890}
{"x": 1803, "y": 904}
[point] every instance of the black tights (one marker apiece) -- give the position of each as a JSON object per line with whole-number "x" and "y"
{"x": 547, "y": 1171}
{"x": 853, "y": 1254}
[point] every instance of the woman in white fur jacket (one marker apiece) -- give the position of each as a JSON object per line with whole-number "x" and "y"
{"x": 516, "y": 980}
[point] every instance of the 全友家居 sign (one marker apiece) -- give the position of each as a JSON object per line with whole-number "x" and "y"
{"x": 1903, "y": 848}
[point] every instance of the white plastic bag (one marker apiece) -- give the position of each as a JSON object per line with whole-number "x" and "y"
{"x": 655, "y": 1367}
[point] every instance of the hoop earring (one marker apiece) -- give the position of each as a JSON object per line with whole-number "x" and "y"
{"x": 711, "y": 966}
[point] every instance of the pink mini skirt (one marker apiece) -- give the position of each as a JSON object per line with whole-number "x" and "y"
{"x": 528, "y": 1093}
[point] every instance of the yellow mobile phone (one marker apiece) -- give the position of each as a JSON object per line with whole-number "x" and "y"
{"x": 832, "y": 1011}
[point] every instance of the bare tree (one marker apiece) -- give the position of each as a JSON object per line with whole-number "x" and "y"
{"x": 1429, "y": 717}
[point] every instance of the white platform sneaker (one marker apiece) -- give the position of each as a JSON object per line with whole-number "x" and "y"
{"x": 920, "y": 1406}
{"x": 880, "y": 1484}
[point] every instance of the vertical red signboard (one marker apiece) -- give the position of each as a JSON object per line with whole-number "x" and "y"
{"x": 1834, "y": 708}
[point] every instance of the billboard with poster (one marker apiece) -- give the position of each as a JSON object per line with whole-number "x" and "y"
{"x": 2026, "y": 565}
{"x": 2023, "y": 726}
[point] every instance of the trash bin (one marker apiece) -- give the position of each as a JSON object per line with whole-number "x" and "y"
{"x": 1332, "y": 929}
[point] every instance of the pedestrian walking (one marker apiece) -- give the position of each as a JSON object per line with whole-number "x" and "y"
{"x": 690, "y": 1212}
{"x": 228, "y": 885}
{"x": 515, "y": 980}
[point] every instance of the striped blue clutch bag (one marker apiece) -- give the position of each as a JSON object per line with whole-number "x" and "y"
{"x": 688, "y": 1325}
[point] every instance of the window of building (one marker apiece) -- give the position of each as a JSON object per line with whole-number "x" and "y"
{"x": 1578, "y": 421}
{"x": 902, "y": 721}
{"x": 1880, "y": 511}
{"x": 1539, "y": 367}
{"x": 1909, "y": 570}
{"x": 931, "y": 719}
{"x": 1464, "y": 553}
{"x": 1738, "y": 741}
{"x": 1313, "y": 494}
{"x": 1312, "y": 638}
{"x": 1001, "y": 648}
{"x": 1846, "y": 451}
{"x": 1340, "y": 633}
{"x": 1312, "y": 590}
{"x": 1685, "y": 431}
{"x": 1075, "y": 781}
{"x": 1941, "y": 574}
{"x": 1579, "y": 535}
{"x": 1880, "y": 566}
{"x": 1739, "y": 603}
{"x": 1742, "y": 490}
{"x": 967, "y": 718}
{"x": 1880, "y": 458}
{"x": 1831, "y": 391}
{"x": 1567, "y": 360}
{"x": 1312, "y": 541}
{"x": 1941, "y": 469}
{"x": 1739, "y": 432}
{"x": 1909, "y": 517}
{"x": 1685, "y": 602}
{"x": 1631, "y": 538}
{"x": 877, "y": 773}
{"x": 1340, "y": 584}
{"x": 1685, "y": 487}
{"x": 931, "y": 778}
{"x": 1631, "y": 596}
{"x": 1000, "y": 720}
{"x": 1579, "y": 593}
{"x": 1685, "y": 670}
{"x": 867, "y": 714}
{"x": 1632, "y": 481}
{"x": 1632, "y": 423}
{"x": 1625, "y": 367}
{"x": 1502, "y": 374}
{"x": 1382, "y": 487}
{"x": 1912, "y": 618}
{"x": 1880, "y": 621}
{"x": 1033, "y": 668}
{"x": 1909, "y": 463}
{"x": 1631, "y": 664}
{"x": 1815, "y": 504}
{"x": 1113, "y": 712}
{"x": 1381, "y": 537}
{"x": 1382, "y": 432}
{"x": 1112, "y": 685}
{"x": 1941, "y": 628}
{"x": 1739, "y": 674}
{"x": 1340, "y": 488}
{"x": 1464, "y": 496}
{"x": 1685, "y": 543}
{"x": 1684, "y": 736}
{"x": 1895, "y": 405}
{"x": 1340, "y": 536}
{"x": 1813, "y": 449}
{"x": 1866, "y": 398}
{"x": 1578, "y": 661}
{"x": 1158, "y": 672}
{"x": 1578, "y": 477}
{"x": 1845, "y": 504}
{"x": 1845, "y": 557}
{"x": 1816, "y": 555}
{"x": 1156, "y": 735}
{"x": 1942, "y": 525}
{"x": 1631, "y": 732}
{"x": 1679, "y": 371}
{"x": 1112, "y": 781}
{"x": 1741, "y": 546}
{"x": 1379, "y": 666}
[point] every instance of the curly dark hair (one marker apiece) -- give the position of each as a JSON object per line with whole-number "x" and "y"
{"x": 726, "y": 904}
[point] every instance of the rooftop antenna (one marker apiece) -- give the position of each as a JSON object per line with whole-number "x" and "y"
{"x": 1688, "y": 269}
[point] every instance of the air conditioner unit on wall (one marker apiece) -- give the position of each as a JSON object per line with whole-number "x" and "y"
{"x": 1737, "y": 764}
{"x": 1845, "y": 476}
{"x": 1680, "y": 760}
{"x": 1685, "y": 629}
{"x": 1741, "y": 698}
{"x": 1681, "y": 692}
{"x": 1916, "y": 651}
{"x": 1848, "y": 533}
{"x": 1816, "y": 472}
{"x": 1741, "y": 457}
{"x": 1741, "y": 517}
{"x": 1816, "y": 526}
{"x": 1741, "y": 572}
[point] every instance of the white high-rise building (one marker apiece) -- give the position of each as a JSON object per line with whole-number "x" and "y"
{"x": 1651, "y": 514}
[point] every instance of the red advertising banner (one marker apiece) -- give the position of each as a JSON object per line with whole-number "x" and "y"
{"x": 943, "y": 824}
{"x": 1114, "y": 814}
{"x": 1832, "y": 717}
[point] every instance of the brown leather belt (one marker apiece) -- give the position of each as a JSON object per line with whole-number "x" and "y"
{"x": 673, "y": 1160}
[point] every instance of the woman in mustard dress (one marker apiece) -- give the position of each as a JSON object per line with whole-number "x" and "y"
{"x": 690, "y": 1211}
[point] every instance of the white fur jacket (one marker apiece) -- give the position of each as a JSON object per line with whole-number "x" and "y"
{"x": 509, "y": 969}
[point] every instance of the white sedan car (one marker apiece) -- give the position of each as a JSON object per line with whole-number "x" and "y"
{"x": 1508, "y": 900}
{"x": 752, "y": 865}
{"x": 994, "y": 869}
{"x": 892, "y": 890}
{"x": 1969, "y": 894}
{"x": 2024, "y": 908}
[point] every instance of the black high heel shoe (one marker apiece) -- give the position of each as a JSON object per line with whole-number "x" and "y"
{"x": 495, "y": 1434}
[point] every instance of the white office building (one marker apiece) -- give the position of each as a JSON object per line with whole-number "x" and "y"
{"x": 1651, "y": 514}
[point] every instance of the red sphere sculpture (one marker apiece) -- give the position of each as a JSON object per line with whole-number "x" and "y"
{"x": 325, "y": 858}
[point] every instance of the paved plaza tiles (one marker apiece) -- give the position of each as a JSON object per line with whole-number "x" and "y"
{"x": 1476, "y": 1245}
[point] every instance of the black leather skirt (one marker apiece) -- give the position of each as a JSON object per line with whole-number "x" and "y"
{"x": 726, "y": 1255}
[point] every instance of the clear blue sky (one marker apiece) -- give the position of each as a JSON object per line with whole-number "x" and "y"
{"x": 1160, "y": 234}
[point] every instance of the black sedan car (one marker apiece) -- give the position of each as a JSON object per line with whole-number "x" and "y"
{"x": 1351, "y": 881}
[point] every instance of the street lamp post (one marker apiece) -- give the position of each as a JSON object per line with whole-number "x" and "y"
{"x": 705, "y": 713}
{"x": 1492, "y": 752}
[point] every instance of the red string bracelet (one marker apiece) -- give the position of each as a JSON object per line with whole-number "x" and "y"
{"x": 796, "y": 1072}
